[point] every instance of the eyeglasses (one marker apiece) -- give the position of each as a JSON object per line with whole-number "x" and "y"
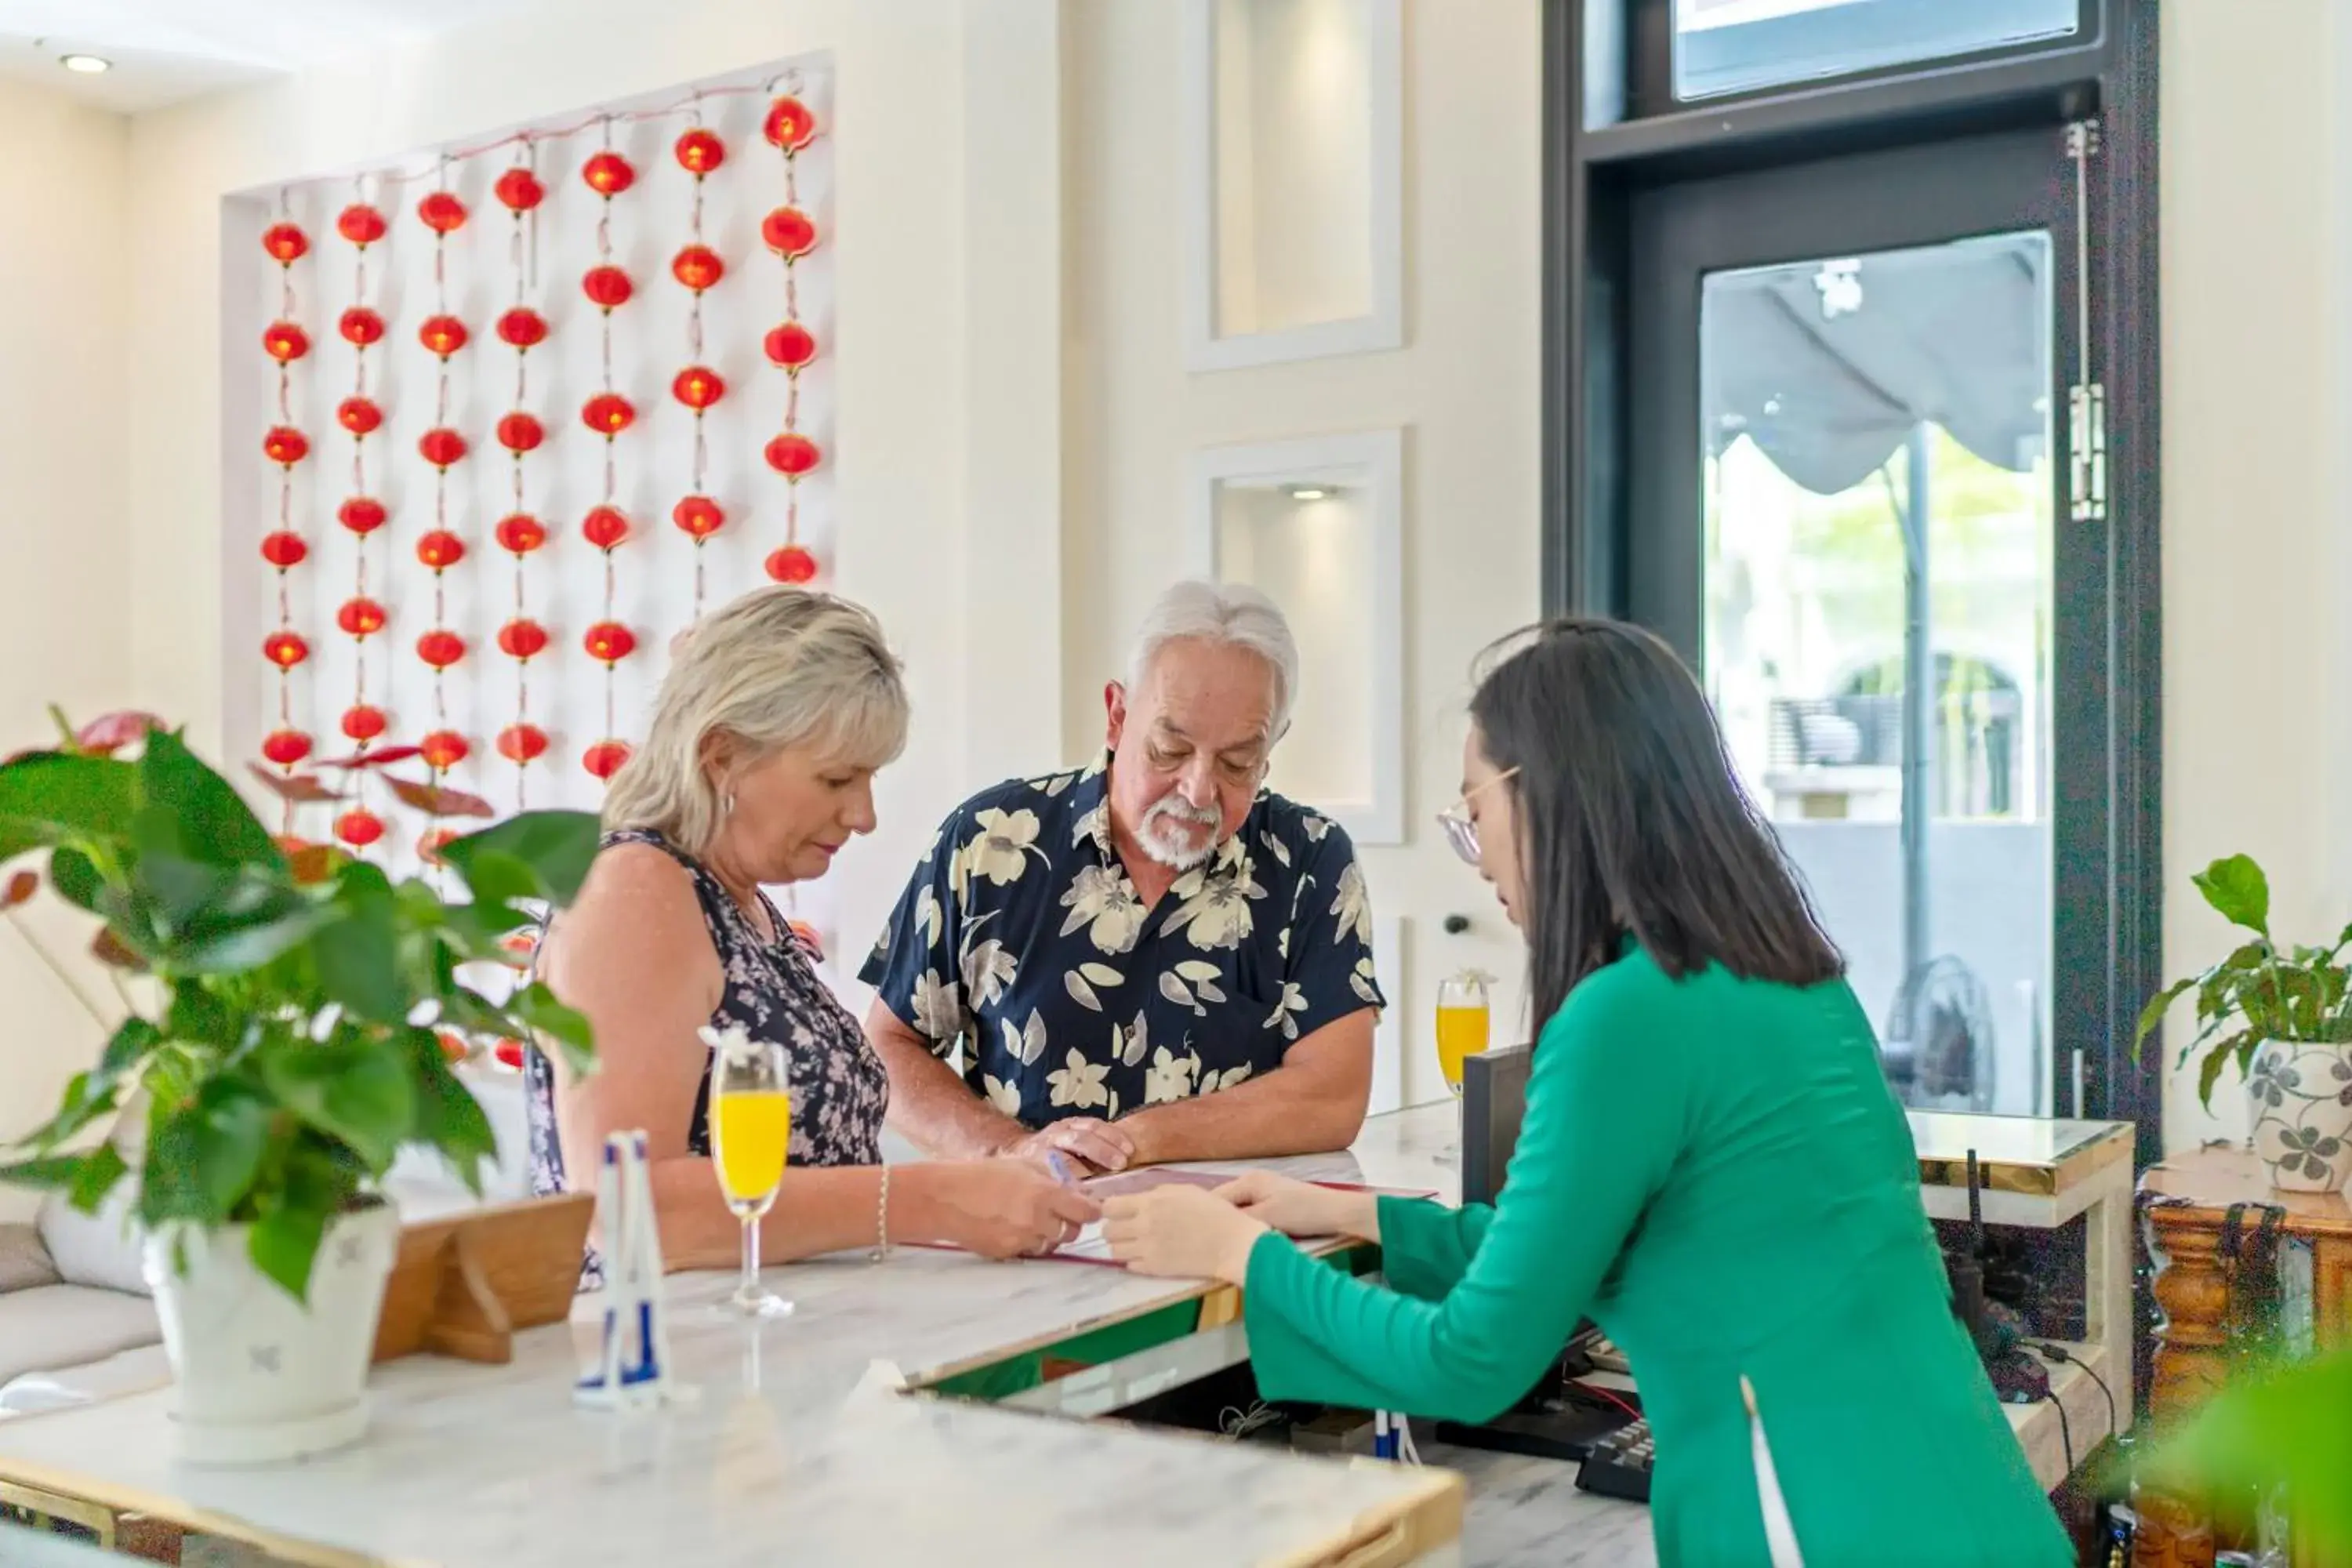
{"x": 1460, "y": 831}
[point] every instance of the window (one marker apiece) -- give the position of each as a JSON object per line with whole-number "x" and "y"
{"x": 1738, "y": 45}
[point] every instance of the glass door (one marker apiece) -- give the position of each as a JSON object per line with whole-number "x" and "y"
{"x": 1846, "y": 503}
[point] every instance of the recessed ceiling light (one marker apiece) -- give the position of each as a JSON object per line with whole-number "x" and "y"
{"x": 1308, "y": 492}
{"x": 88, "y": 65}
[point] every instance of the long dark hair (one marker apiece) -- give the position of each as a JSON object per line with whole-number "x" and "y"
{"x": 1630, "y": 820}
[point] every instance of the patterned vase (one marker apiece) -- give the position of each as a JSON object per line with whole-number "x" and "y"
{"x": 2302, "y": 1099}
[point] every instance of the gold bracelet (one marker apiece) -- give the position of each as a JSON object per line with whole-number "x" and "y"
{"x": 882, "y": 1221}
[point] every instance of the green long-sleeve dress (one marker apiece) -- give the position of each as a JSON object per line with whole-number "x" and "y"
{"x": 1714, "y": 1171}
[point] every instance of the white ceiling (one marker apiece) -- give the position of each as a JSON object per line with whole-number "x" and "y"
{"x": 165, "y": 51}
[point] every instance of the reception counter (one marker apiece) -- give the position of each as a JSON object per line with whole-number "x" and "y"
{"x": 877, "y": 1425}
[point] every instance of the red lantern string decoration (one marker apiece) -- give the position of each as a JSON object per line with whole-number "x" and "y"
{"x": 361, "y": 617}
{"x": 519, "y": 534}
{"x": 442, "y": 334}
{"x": 285, "y": 342}
{"x": 792, "y": 233}
{"x": 697, "y": 386}
{"x": 607, "y": 412}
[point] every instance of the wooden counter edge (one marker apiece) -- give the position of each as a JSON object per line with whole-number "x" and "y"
{"x": 187, "y": 1517}
{"x": 1398, "y": 1532}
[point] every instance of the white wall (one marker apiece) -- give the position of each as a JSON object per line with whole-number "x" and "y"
{"x": 64, "y": 637}
{"x": 1465, "y": 386}
{"x": 947, "y": 275}
{"x": 2256, "y": 114}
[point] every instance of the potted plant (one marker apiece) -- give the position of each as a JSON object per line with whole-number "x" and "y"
{"x": 282, "y": 1041}
{"x": 2282, "y": 1018}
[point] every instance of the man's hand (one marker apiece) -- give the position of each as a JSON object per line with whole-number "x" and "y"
{"x": 1098, "y": 1145}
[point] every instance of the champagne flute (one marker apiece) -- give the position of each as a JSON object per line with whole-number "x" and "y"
{"x": 750, "y": 1132}
{"x": 1461, "y": 1021}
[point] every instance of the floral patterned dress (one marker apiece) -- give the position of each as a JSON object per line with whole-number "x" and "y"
{"x": 771, "y": 990}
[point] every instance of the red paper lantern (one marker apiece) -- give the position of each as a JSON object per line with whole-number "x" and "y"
{"x": 360, "y": 224}
{"x": 441, "y": 446}
{"x": 792, "y": 455}
{"x": 700, "y": 152}
{"x": 440, "y": 649}
{"x": 791, "y": 346}
{"x": 444, "y": 750}
{"x": 361, "y": 514}
{"x": 608, "y": 414}
{"x": 793, "y": 564}
{"x": 522, "y": 744}
{"x": 508, "y": 1054}
{"x": 286, "y": 243}
{"x": 284, "y": 444}
{"x": 608, "y": 287}
{"x": 359, "y": 828}
{"x": 285, "y": 342}
{"x": 522, "y": 328}
{"x": 361, "y": 326}
{"x": 790, "y": 125}
{"x": 285, "y": 649}
{"x": 360, "y": 617}
{"x": 520, "y": 433}
{"x": 522, "y": 638}
{"x": 360, "y": 416}
{"x": 286, "y": 747}
{"x": 363, "y": 721}
{"x": 442, "y": 335}
{"x": 697, "y": 267}
{"x": 698, "y": 516}
{"x": 604, "y": 759}
{"x": 609, "y": 642}
{"x": 442, "y": 212}
{"x": 789, "y": 232}
{"x": 520, "y": 189}
{"x": 608, "y": 173}
{"x": 520, "y": 533}
{"x": 604, "y": 527}
{"x": 282, "y": 549}
{"x": 697, "y": 386}
{"x": 440, "y": 549}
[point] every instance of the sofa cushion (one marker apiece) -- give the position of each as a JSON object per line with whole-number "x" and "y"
{"x": 24, "y": 1262}
{"x": 57, "y": 1326}
{"x": 101, "y": 1250}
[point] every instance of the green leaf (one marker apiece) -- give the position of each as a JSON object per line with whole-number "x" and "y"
{"x": 354, "y": 1089}
{"x": 87, "y": 1098}
{"x": 358, "y": 955}
{"x": 128, "y": 1046}
{"x": 215, "y": 825}
{"x": 51, "y": 799}
{"x": 2152, "y": 1014}
{"x": 2209, "y": 1073}
{"x": 448, "y": 1118}
{"x": 284, "y": 1242}
{"x": 244, "y": 949}
{"x": 75, "y": 877}
{"x": 47, "y": 1172}
{"x": 203, "y": 1156}
{"x": 101, "y": 1168}
{"x": 554, "y": 847}
{"x": 536, "y": 1006}
{"x": 197, "y": 1014}
{"x": 180, "y": 890}
{"x": 2237, "y": 892}
{"x": 2278, "y": 1428}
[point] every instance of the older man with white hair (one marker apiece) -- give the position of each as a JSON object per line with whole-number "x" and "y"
{"x": 1153, "y": 959}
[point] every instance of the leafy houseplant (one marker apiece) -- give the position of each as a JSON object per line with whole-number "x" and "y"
{"x": 2284, "y": 1017}
{"x": 284, "y": 1003}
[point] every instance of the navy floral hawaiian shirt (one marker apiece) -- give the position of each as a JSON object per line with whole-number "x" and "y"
{"x": 1021, "y": 935}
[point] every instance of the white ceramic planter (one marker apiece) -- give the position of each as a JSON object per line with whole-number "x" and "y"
{"x": 2302, "y": 1101}
{"x": 259, "y": 1377}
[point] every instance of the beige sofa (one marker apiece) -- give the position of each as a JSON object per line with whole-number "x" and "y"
{"x": 76, "y": 1320}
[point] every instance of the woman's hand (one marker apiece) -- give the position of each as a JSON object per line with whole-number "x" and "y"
{"x": 1002, "y": 1208}
{"x": 1302, "y": 1208}
{"x": 1182, "y": 1233}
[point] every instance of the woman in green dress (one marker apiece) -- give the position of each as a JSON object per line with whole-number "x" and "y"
{"x": 1711, "y": 1165}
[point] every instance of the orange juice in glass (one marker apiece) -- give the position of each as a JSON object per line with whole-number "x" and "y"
{"x": 1462, "y": 1017}
{"x": 750, "y": 1133}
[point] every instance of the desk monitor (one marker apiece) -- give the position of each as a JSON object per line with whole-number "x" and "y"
{"x": 1494, "y": 1097}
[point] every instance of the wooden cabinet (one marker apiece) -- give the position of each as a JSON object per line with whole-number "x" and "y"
{"x": 2186, "y": 1202}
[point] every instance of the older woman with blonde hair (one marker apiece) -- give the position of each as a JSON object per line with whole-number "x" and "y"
{"x": 775, "y": 715}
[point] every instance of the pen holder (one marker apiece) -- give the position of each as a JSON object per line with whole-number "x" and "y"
{"x": 632, "y": 1369}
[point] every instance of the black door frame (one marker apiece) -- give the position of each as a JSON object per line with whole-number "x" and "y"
{"x": 1602, "y": 57}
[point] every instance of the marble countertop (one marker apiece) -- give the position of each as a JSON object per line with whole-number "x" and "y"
{"x": 799, "y": 1444}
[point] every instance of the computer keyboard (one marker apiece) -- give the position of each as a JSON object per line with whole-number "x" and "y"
{"x": 1618, "y": 1465}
